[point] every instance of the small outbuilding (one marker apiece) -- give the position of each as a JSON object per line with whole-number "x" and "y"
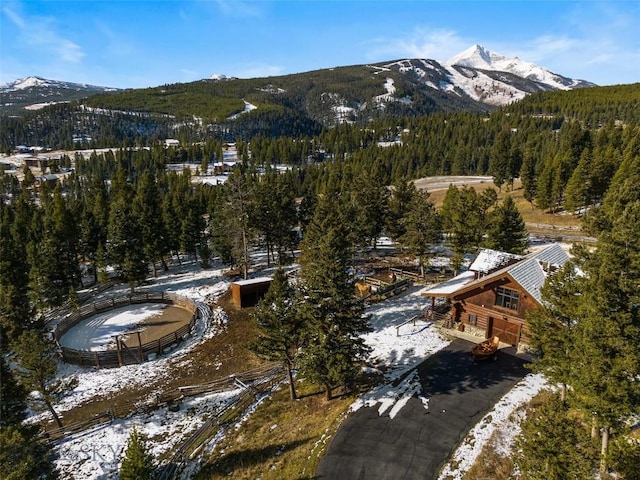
{"x": 247, "y": 293}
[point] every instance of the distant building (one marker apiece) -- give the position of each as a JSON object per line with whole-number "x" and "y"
{"x": 50, "y": 179}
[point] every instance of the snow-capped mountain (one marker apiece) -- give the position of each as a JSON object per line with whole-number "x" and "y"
{"x": 479, "y": 58}
{"x": 220, "y": 77}
{"x": 32, "y": 93}
{"x": 484, "y": 77}
{"x": 38, "y": 82}
{"x": 475, "y": 80}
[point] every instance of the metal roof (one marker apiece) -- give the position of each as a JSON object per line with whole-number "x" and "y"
{"x": 530, "y": 273}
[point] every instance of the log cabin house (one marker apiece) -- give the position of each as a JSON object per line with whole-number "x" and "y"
{"x": 494, "y": 295}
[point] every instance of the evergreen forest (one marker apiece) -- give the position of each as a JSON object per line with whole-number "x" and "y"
{"x": 127, "y": 212}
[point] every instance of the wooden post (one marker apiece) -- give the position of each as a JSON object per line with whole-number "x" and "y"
{"x": 140, "y": 347}
{"x": 118, "y": 350}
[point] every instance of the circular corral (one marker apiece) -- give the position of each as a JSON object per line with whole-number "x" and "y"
{"x": 124, "y": 330}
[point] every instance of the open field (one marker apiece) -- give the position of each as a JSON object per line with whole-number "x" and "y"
{"x": 538, "y": 221}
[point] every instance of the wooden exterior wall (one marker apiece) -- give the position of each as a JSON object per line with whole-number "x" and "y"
{"x": 478, "y": 308}
{"x": 248, "y": 295}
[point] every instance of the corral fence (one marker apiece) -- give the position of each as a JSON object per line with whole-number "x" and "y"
{"x": 249, "y": 380}
{"x": 406, "y": 274}
{"x": 254, "y": 384}
{"x": 381, "y": 290}
{"x": 124, "y": 354}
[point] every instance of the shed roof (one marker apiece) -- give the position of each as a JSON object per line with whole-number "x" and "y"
{"x": 253, "y": 281}
{"x": 448, "y": 287}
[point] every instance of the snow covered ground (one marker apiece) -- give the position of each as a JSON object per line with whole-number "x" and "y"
{"x": 98, "y": 331}
{"x": 96, "y": 454}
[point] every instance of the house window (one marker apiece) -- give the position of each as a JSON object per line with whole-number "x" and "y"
{"x": 473, "y": 319}
{"x": 507, "y": 298}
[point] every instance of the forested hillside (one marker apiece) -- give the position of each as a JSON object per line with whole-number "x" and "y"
{"x": 127, "y": 211}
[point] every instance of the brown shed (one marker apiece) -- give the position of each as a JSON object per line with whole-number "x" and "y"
{"x": 247, "y": 293}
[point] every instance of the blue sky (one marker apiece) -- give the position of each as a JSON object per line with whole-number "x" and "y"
{"x": 122, "y": 43}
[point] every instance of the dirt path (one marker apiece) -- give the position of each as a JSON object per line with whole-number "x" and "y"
{"x": 443, "y": 182}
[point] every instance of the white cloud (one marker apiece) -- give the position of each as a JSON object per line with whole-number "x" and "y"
{"x": 116, "y": 44}
{"x": 437, "y": 44}
{"x": 14, "y": 17}
{"x": 591, "y": 58}
{"x": 40, "y": 34}
{"x": 68, "y": 51}
{"x": 254, "y": 70}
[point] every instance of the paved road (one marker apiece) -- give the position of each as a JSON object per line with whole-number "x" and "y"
{"x": 417, "y": 442}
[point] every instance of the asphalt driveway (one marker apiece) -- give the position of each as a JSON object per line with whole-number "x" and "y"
{"x": 417, "y": 442}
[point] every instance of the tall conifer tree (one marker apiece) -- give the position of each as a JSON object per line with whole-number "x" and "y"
{"x": 125, "y": 247}
{"x": 507, "y": 231}
{"x": 422, "y": 228}
{"x": 334, "y": 318}
{"x": 38, "y": 363}
{"x": 278, "y": 319}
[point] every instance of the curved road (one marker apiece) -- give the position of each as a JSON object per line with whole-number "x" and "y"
{"x": 417, "y": 442}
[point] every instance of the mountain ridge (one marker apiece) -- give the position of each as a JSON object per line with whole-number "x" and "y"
{"x": 480, "y": 58}
{"x": 474, "y": 80}
{"x": 36, "y": 81}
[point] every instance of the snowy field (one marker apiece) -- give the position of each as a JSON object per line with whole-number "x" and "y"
{"x": 97, "y": 453}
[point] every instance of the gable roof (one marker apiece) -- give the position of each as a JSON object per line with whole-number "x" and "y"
{"x": 530, "y": 273}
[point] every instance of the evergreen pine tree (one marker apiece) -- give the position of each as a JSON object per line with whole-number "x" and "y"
{"x": 12, "y": 397}
{"x": 15, "y": 305}
{"x": 552, "y": 326}
{"x": 607, "y": 334}
{"x": 147, "y": 207}
{"x": 528, "y": 175}
{"x": 23, "y": 455}
{"x": 552, "y": 445}
{"x": 579, "y": 189}
{"x": 403, "y": 191}
{"x": 370, "y": 198}
{"x": 500, "y": 159}
{"x": 58, "y": 252}
{"x": 125, "y": 248}
{"x": 278, "y": 320}
{"x": 507, "y": 231}
{"x": 38, "y": 363}
{"x": 138, "y": 463}
{"x": 93, "y": 222}
{"x": 191, "y": 228}
{"x": 333, "y": 345}
{"x": 422, "y": 227}
{"x": 238, "y": 189}
{"x": 273, "y": 214}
